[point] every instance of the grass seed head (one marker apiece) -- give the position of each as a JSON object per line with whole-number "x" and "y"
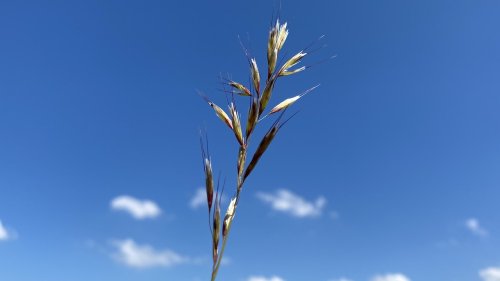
{"x": 292, "y": 62}
{"x": 255, "y": 75}
{"x": 242, "y": 155}
{"x": 240, "y": 89}
{"x": 253, "y": 117}
{"x": 220, "y": 113}
{"x": 236, "y": 124}
{"x": 266, "y": 95}
{"x": 228, "y": 218}
{"x": 288, "y": 102}
{"x": 216, "y": 231}
{"x": 263, "y": 145}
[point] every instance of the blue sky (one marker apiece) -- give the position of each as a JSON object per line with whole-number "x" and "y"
{"x": 390, "y": 169}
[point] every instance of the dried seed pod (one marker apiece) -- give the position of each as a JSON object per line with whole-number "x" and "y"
{"x": 236, "y": 124}
{"x": 228, "y": 218}
{"x": 209, "y": 183}
{"x": 255, "y": 76}
{"x": 240, "y": 89}
{"x": 282, "y": 35}
{"x": 253, "y": 117}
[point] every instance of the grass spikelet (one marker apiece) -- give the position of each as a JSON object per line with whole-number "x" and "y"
{"x": 216, "y": 231}
{"x": 255, "y": 76}
{"x": 288, "y": 102}
{"x": 242, "y": 155}
{"x": 292, "y": 62}
{"x": 209, "y": 183}
{"x": 220, "y": 113}
{"x": 236, "y": 124}
{"x": 263, "y": 145}
{"x": 266, "y": 95}
{"x": 240, "y": 89}
{"x": 228, "y": 218}
{"x": 253, "y": 117}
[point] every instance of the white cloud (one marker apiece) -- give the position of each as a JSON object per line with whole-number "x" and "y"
{"x": 262, "y": 278}
{"x": 139, "y": 209}
{"x": 199, "y": 199}
{"x": 4, "y": 233}
{"x": 473, "y": 225}
{"x": 288, "y": 202}
{"x": 391, "y": 277}
{"x": 490, "y": 274}
{"x": 131, "y": 254}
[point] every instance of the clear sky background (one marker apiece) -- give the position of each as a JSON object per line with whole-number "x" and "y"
{"x": 402, "y": 139}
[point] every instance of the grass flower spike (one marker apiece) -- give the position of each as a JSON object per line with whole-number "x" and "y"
{"x": 258, "y": 102}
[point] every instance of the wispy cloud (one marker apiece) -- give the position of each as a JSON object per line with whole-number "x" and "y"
{"x": 473, "y": 225}
{"x": 262, "y": 278}
{"x": 139, "y": 209}
{"x": 4, "y": 233}
{"x": 490, "y": 274}
{"x": 391, "y": 277}
{"x": 199, "y": 199}
{"x": 341, "y": 279}
{"x": 286, "y": 201}
{"x": 131, "y": 254}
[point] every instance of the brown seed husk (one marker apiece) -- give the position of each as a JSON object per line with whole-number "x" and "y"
{"x": 253, "y": 117}
{"x": 264, "y": 144}
{"x": 216, "y": 232}
{"x": 209, "y": 183}
{"x": 240, "y": 89}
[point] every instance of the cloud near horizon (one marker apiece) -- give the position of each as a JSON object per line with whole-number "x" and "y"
{"x": 131, "y": 254}
{"x": 391, "y": 277}
{"x": 490, "y": 274}
{"x": 262, "y": 278}
{"x": 138, "y": 209}
{"x": 287, "y": 202}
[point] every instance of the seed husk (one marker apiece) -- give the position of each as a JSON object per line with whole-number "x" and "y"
{"x": 255, "y": 76}
{"x": 240, "y": 89}
{"x": 288, "y": 102}
{"x": 228, "y": 218}
{"x": 220, "y": 113}
{"x": 236, "y": 124}
{"x": 216, "y": 232}
{"x": 209, "y": 183}
{"x": 264, "y": 144}
{"x": 253, "y": 117}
